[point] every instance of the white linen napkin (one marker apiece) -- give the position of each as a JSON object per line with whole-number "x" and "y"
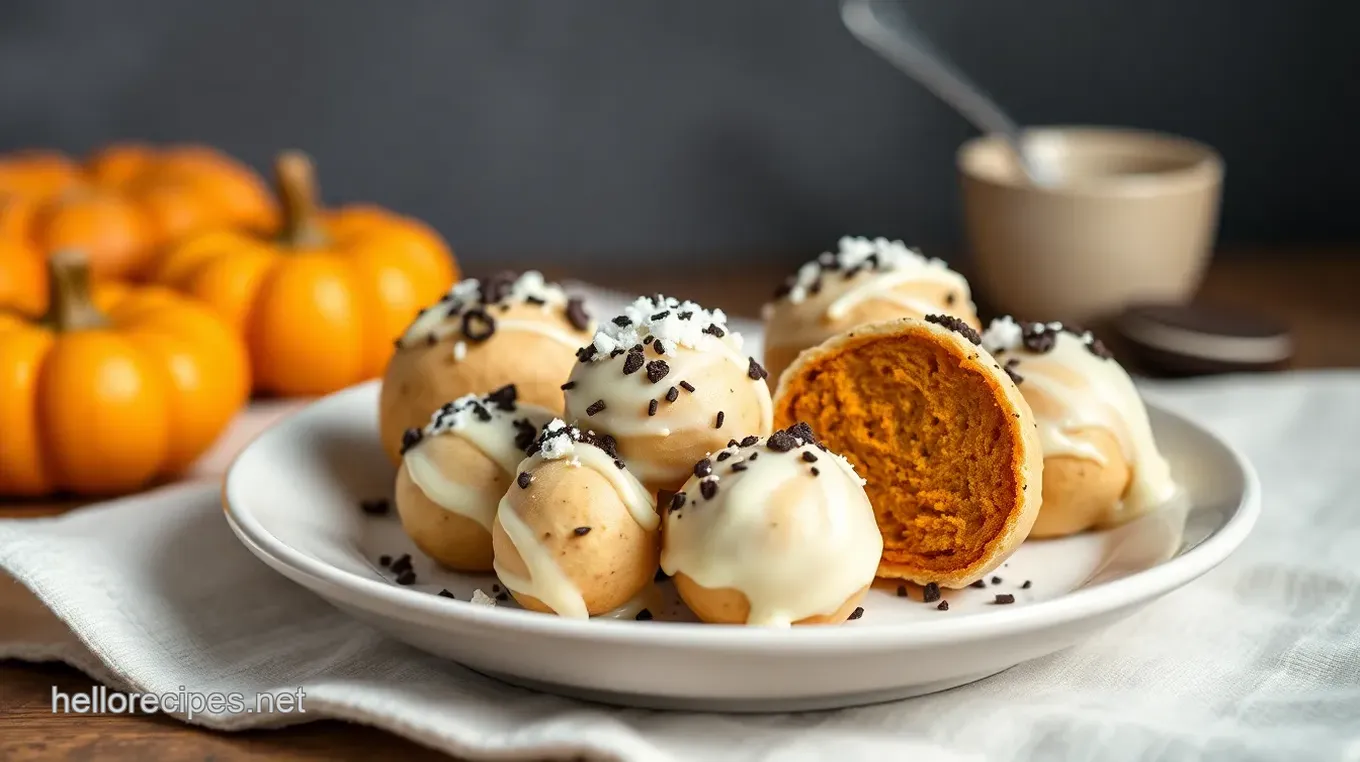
{"x": 1260, "y": 659}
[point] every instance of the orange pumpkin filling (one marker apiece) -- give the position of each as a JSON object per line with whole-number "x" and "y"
{"x": 930, "y": 432}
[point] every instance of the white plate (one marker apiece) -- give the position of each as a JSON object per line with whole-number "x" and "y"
{"x": 292, "y": 497}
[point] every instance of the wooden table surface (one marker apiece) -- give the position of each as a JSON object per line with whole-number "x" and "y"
{"x": 1317, "y": 292}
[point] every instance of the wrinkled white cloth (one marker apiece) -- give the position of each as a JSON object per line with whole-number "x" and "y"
{"x": 1259, "y": 659}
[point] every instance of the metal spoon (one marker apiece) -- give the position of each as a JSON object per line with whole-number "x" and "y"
{"x": 892, "y": 35}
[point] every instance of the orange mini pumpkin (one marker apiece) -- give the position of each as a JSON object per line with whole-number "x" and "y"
{"x": 321, "y": 305}
{"x": 113, "y": 388}
{"x": 23, "y": 274}
{"x": 131, "y": 199}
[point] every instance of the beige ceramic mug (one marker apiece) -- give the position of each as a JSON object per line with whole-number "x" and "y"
{"x": 1132, "y": 218}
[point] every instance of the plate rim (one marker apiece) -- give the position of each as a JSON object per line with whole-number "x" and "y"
{"x": 418, "y": 607}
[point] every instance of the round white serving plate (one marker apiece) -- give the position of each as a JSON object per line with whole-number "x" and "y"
{"x": 293, "y": 496}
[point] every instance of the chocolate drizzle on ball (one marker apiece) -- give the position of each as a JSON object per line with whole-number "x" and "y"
{"x": 956, "y": 325}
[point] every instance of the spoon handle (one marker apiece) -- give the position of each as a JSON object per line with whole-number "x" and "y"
{"x": 903, "y": 45}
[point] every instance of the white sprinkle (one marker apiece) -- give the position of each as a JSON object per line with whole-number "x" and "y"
{"x": 661, "y": 318}
{"x": 1002, "y": 335}
{"x": 482, "y": 599}
{"x": 459, "y": 351}
{"x": 574, "y": 462}
{"x": 854, "y": 253}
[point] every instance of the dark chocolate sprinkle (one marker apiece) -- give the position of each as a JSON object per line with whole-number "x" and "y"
{"x": 652, "y": 406}
{"x": 581, "y": 531}
{"x": 644, "y": 616}
{"x": 384, "y": 560}
{"x": 1038, "y": 338}
{"x": 677, "y": 501}
{"x": 901, "y": 591}
{"x": 931, "y": 592}
{"x": 620, "y": 465}
{"x": 703, "y": 468}
{"x": 754, "y": 455}
{"x": 659, "y": 347}
{"x": 781, "y": 441}
{"x": 809, "y": 456}
{"x": 615, "y": 353}
{"x": 503, "y": 597}
{"x": 648, "y": 339}
{"x": 815, "y": 472}
{"x": 724, "y": 455}
{"x": 445, "y": 594}
{"x": 402, "y": 563}
{"x": 749, "y": 440}
{"x": 523, "y": 479}
{"x": 950, "y": 298}
{"x": 1004, "y": 598}
{"x": 584, "y": 354}
{"x": 1098, "y": 348}
{"x": 495, "y": 588}
{"x": 595, "y": 407}
{"x": 568, "y": 386}
{"x": 410, "y": 438}
{"x": 708, "y": 488}
{"x": 577, "y": 315}
{"x": 687, "y": 386}
{"x": 718, "y": 421}
{"x": 956, "y": 325}
{"x": 980, "y": 584}
{"x": 534, "y": 300}
{"x": 1026, "y": 585}
{"x": 714, "y": 330}
{"x": 739, "y": 466}
{"x": 657, "y": 370}
{"x": 497, "y": 286}
{"x": 857, "y": 613}
{"x": 504, "y": 397}
{"x": 1010, "y": 370}
{"x": 524, "y": 433}
{"x": 996, "y": 580}
{"x": 686, "y": 315}
{"x": 944, "y": 606}
{"x": 662, "y": 315}
{"x": 622, "y": 321}
{"x": 406, "y": 577}
{"x": 632, "y": 363}
{"x": 754, "y": 371}
{"x": 378, "y": 507}
{"x": 477, "y": 325}
{"x": 672, "y": 394}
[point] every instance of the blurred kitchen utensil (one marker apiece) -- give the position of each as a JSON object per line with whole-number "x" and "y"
{"x": 886, "y": 29}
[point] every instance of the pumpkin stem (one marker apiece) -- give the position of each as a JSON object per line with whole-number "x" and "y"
{"x": 69, "y": 306}
{"x": 295, "y": 178}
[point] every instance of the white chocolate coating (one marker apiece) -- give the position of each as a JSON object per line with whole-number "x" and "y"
{"x": 796, "y": 545}
{"x": 488, "y": 427}
{"x": 660, "y": 448}
{"x": 546, "y": 580}
{"x": 1071, "y": 389}
{"x": 445, "y": 318}
{"x": 886, "y": 280}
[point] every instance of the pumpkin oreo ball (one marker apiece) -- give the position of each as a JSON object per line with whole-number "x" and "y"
{"x": 480, "y": 336}
{"x": 945, "y": 440}
{"x": 667, "y": 379}
{"x": 773, "y": 532}
{"x": 113, "y": 388}
{"x": 455, "y": 470}
{"x": 320, "y": 305}
{"x": 863, "y": 281}
{"x": 1101, "y": 463}
{"x": 576, "y": 533}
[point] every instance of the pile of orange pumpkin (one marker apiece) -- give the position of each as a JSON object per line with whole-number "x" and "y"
{"x": 146, "y": 292}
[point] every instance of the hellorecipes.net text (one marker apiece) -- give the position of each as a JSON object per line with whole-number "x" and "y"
{"x": 100, "y": 700}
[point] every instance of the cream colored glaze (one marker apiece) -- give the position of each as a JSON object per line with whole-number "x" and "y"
{"x": 868, "y": 297}
{"x": 795, "y": 545}
{"x": 1069, "y": 390}
{"x": 627, "y": 398}
{"x": 547, "y": 582}
{"x": 495, "y": 438}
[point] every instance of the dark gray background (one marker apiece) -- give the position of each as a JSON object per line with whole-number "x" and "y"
{"x": 611, "y": 130}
